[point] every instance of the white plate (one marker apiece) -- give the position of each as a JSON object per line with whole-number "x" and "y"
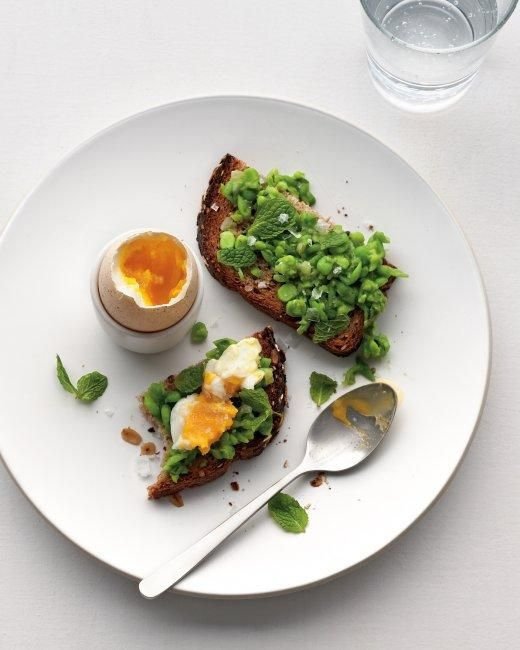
{"x": 151, "y": 170}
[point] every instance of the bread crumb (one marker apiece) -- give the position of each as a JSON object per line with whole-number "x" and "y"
{"x": 151, "y": 430}
{"x": 131, "y": 436}
{"x": 109, "y": 412}
{"x": 235, "y": 486}
{"x": 177, "y": 500}
{"x": 318, "y": 480}
{"x": 286, "y": 464}
{"x": 214, "y": 207}
{"x": 147, "y": 449}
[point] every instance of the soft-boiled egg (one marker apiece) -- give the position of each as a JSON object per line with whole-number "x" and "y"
{"x": 148, "y": 282}
{"x": 199, "y": 420}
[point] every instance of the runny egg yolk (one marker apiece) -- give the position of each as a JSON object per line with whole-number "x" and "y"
{"x": 200, "y": 419}
{"x": 231, "y": 385}
{"x": 155, "y": 265}
{"x": 208, "y": 419}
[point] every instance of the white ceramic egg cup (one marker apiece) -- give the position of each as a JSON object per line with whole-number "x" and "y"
{"x": 144, "y": 342}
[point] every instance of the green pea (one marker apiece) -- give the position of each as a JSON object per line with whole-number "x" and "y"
{"x": 339, "y": 250}
{"x": 354, "y": 274}
{"x": 260, "y": 245}
{"x": 157, "y": 392}
{"x": 199, "y": 333}
{"x": 287, "y": 292}
{"x": 309, "y": 219}
{"x": 249, "y": 195}
{"x": 343, "y": 309}
{"x": 237, "y": 217}
{"x": 166, "y": 412}
{"x": 173, "y": 396}
{"x": 314, "y": 260}
{"x": 268, "y": 256}
{"x": 256, "y": 272}
{"x": 357, "y": 238}
{"x": 241, "y": 241}
{"x": 303, "y": 327}
{"x": 341, "y": 261}
{"x": 227, "y": 239}
{"x": 289, "y": 260}
{"x": 151, "y": 406}
{"x": 243, "y": 206}
{"x": 325, "y": 265}
{"x": 279, "y": 250}
{"x": 304, "y": 268}
{"x": 265, "y": 362}
{"x": 296, "y": 307}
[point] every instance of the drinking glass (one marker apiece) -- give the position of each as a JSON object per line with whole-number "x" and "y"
{"x": 424, "y": 54}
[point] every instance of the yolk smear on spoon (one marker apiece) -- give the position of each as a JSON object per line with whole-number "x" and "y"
{"x": 156, "y": 265}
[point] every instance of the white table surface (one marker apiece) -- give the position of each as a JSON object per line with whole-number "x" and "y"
{"x": 68, "y": 69}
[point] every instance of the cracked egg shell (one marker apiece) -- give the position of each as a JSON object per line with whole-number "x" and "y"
{"x": 148, "y": 281}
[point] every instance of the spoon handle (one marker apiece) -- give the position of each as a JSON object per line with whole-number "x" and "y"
{"x": 172, "y": 571}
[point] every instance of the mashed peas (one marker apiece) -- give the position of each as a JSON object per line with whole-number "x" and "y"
{"x": 323, "y": 271}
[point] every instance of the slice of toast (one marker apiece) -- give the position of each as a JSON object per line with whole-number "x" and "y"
{"x": 207, "y": 468}
{"x": 214, "y": 210}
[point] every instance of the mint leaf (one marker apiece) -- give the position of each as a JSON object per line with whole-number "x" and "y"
{"x": 272, "y": 218}
{"x": 63, "y": 377}
{"x": 91, "y": 386}
{"x": 220, "y": 346}
{"x": 328, "y": 329}
{"x": 256, "y": 398}
{"x": 322, "y": 387}
{"x": 190, "y": 379}
{"x": 237, "y": 257}
{"x": 288, "y": 513}
{"x": 334, "y": 239}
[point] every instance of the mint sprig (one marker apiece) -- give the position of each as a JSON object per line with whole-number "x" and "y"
{"x": 272, "y": 218}
{"x": 322, "y": 387}
{"x": 288, "y": 513}
{"x": 238, "y": 258}
{"x": 89, "y": 387}
{"x": 190, "y": 379}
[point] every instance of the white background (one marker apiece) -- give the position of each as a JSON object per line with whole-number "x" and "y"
{"x": 68, "y": 69}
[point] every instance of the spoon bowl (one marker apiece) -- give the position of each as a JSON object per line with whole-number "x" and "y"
{"x": 350, "y": 428}
{"x": 342, "y": 436}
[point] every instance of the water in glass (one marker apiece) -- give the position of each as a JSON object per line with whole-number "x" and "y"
{"x": 423, "y": 54}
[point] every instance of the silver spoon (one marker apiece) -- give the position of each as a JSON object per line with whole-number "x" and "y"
{"x": 342, "y": 436}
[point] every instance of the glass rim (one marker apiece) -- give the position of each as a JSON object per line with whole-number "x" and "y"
{"x": 444, "y": 50}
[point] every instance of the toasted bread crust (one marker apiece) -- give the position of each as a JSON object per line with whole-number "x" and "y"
{"x": 207, "y": 468}
{"x": 215, "y": 208}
